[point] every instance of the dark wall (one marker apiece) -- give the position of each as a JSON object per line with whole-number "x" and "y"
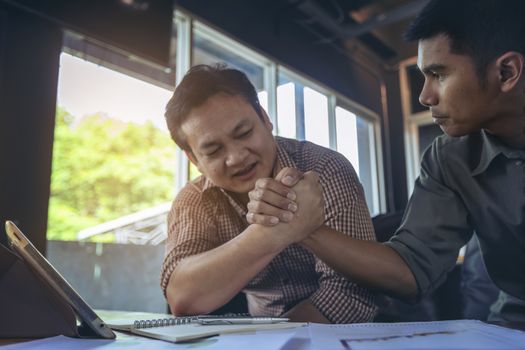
{"x": 129, "y": 27}
{"x": 272, "y": 28}
{"x": 393, "y": 144}
{"x": 29, "y": 61}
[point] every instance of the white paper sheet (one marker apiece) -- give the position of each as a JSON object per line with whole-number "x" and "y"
{"x": 460, "y": 334}
{"x": 263, "y": 340}
{"x": 299, "y": 341}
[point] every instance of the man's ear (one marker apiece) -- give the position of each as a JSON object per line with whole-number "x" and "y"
{"x": 510, "y": 68}
{"x": 266, "y": 119}
{"x": 192, "y": 158}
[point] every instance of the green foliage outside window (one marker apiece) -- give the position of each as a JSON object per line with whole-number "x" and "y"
{"x": 104, "y": 169}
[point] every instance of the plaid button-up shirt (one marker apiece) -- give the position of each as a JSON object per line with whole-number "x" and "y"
{"x": 203, "y": 216}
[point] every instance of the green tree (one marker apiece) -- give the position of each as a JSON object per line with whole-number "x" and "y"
{"x": 103, "y": 169}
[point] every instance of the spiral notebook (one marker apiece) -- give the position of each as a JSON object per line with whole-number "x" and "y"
{"x": 180, "y": 329}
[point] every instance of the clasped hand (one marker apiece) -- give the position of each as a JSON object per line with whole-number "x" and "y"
{"x": 292, "y": 200}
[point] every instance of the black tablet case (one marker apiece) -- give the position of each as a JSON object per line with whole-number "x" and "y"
{"x": 29, "y": 308}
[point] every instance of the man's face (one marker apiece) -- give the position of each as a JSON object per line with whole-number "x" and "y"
{"x": 452, "y": 90}
{"x": 230, "y": 143}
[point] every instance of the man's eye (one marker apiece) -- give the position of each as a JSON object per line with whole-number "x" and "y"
{"x": 246, "y": 133}
{"x": 438, "y": 76}
{"x": 212, "y": 153}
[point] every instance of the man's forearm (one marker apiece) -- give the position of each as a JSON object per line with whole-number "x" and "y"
{"x": 367, "y": 263}
{"x": 203, "y": 282}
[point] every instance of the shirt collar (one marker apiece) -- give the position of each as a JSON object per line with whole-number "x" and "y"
{"x": 491, "y": 147}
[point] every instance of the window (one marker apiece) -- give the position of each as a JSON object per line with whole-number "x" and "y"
{"x": 286, "y": 116}
{"x": 309, "y": 112}
{"x": 316, "y": 117}
{"x": 356, "y": 141}
{"x": 347, "y": 136}
{"x": 113, "y": 176}
{"x": 419, "y": 128}
{"x": 210, "y": 47}
{"x": 112, "y": 153}
{"x": 302, "y": 111}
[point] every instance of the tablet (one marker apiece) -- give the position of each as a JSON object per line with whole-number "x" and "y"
{"x": 90, "y": 323}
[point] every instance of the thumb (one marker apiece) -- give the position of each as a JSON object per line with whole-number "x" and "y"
{"x": 289, "y": 176}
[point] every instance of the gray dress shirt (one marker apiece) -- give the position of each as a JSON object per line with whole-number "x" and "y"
{"x": 470, "y": 183}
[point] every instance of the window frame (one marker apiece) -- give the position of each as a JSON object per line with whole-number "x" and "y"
{"x": 379, "y": 203}
{"x": 412, "y": 121}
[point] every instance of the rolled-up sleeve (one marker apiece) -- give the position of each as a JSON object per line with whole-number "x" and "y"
{"x": 435, "y": 226}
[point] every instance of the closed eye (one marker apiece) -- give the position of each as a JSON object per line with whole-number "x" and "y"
{"x": 212, "y": 152}
{"x": 245, "y": 133}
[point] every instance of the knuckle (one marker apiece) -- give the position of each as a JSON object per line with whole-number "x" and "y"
{"x": 263, "y": 183}
{"x": 284, "y": 204}
{"x": 270, "y": 220}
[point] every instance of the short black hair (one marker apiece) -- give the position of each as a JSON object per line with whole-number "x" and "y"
{"x": 199, "y": 84}
{"x": 481, "y": 29}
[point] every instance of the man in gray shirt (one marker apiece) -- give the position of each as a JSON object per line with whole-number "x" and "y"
{"x": 472, "y": 55}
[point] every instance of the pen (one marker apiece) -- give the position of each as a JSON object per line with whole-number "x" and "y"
{"x": 240, "y": 320}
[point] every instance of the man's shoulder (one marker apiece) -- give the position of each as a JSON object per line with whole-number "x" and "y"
{"x": 455, "y": 156}
{"x": 463, "y": 148}
{"x": 195, "y": 186}
{"x": 294, "y": 147}
{"x": 309, "y": 156}
{"x": 195, "y": 191}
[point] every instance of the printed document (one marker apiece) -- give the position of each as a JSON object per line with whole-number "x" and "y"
{"x": 458, "y": 334}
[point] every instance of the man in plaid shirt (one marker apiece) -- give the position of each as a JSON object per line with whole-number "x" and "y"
{"x": 213, "y": 253}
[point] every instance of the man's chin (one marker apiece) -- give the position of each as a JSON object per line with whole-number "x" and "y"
{"x": 455, "y": 132}
{"x": 242, "y": 188}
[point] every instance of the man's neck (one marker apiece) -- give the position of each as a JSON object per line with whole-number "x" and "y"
{"x": 511, "y": 131}
{"x": 517, "y": 141}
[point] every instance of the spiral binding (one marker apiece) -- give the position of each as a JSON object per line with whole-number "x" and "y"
{"x": 173, "y": 321}
{"x": 163, "y": 322}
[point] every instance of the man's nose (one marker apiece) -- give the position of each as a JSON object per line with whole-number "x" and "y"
{"x": 236, "y": 155}
{"x": 428, "y": 97}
